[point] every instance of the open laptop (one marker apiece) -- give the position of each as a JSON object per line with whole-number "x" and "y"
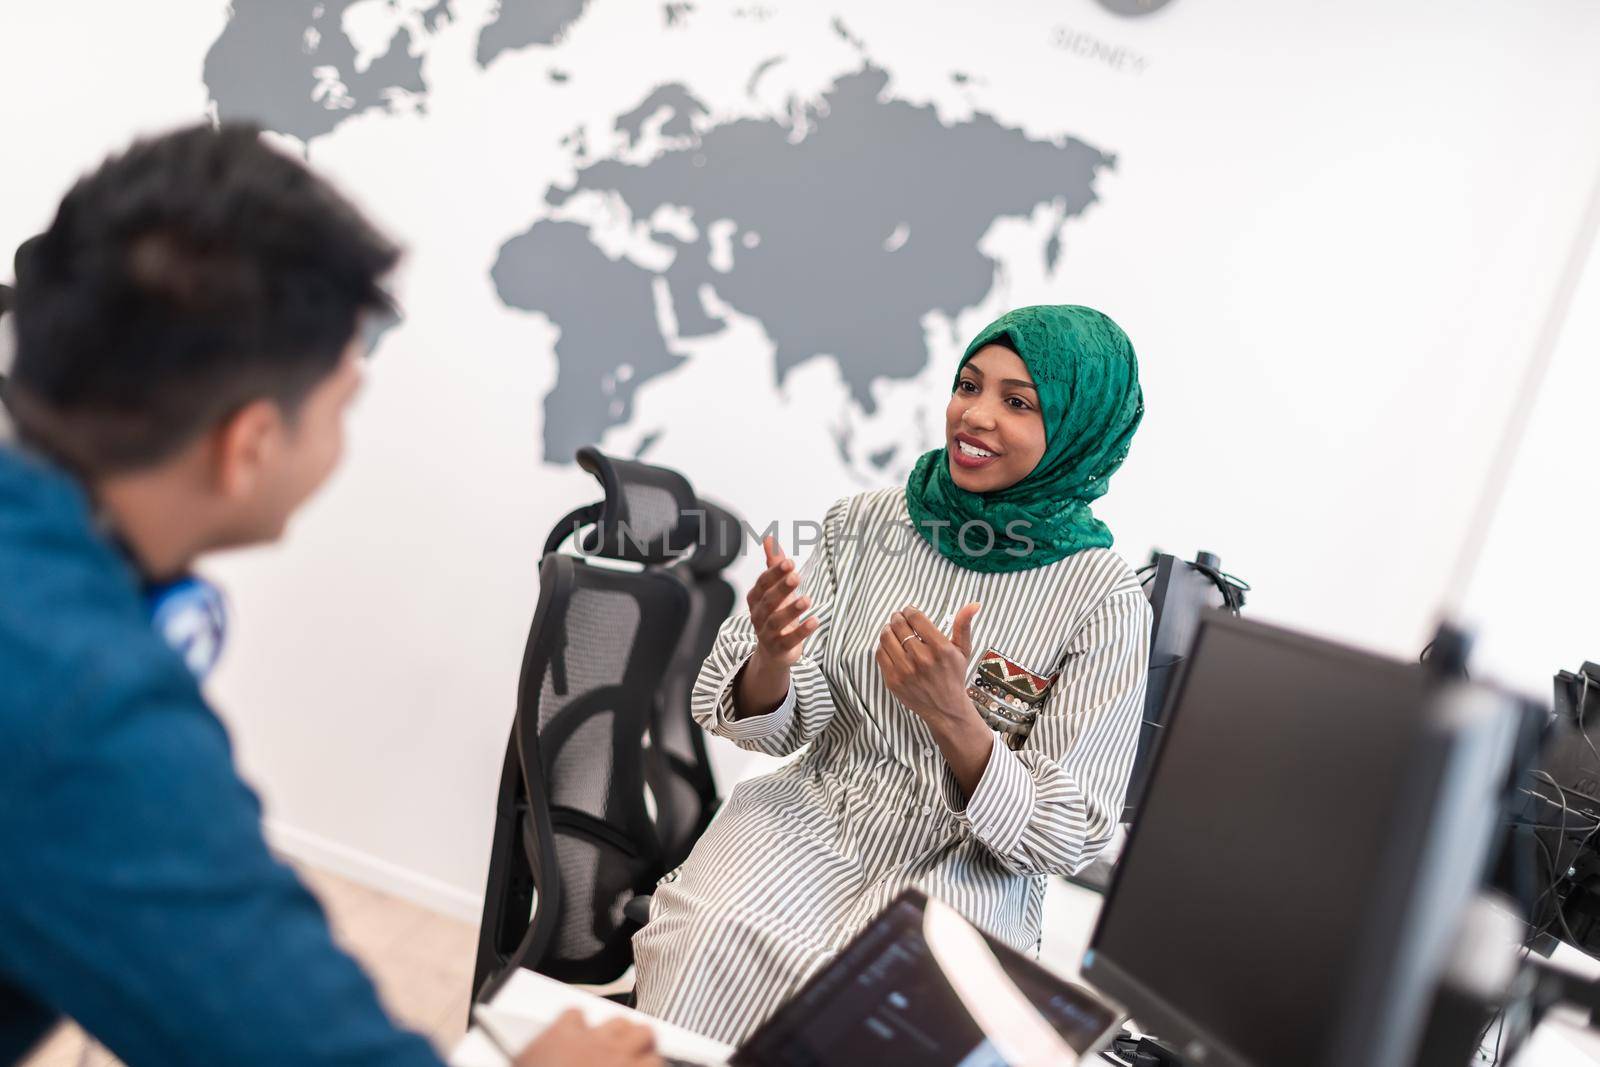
{"x": 919, "y": 985}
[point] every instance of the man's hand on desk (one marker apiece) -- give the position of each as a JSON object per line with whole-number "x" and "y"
{"x": 570, "y": 1042}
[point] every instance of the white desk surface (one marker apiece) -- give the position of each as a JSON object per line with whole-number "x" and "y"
{"x": 1564, "y": 1040}
{"x": 528, "y": 1001}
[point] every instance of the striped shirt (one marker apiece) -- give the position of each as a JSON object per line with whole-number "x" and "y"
{"x": 799, "y": 860}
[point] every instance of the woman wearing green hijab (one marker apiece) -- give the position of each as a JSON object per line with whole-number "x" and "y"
{"x": 966, "y": 659}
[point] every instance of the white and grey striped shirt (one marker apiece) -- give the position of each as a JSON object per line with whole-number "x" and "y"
{"x": 798, "y": 860}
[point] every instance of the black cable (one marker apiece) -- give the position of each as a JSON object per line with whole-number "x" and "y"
{"x": 1499, "y": 1016}
{"x": 1583, "y": 699}
{"x": 1570, "y": 791}
{"x": 1525, "y": 791}
{"x": 1232, "y": 588}
{"x": 1536, "y": 932}
{"x": 1556, "y": 905}
{"x": 1427, "y": 652}
{"x": 1548, "y": 907}
{"x": 1561, "y": 876}
{"x": 1529, "y": 824}
{"x": 1562, "y": 793}
{"x": 1500, "y": 1013}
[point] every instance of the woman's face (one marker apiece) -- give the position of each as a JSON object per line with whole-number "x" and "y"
{"x": 993, "y": 428}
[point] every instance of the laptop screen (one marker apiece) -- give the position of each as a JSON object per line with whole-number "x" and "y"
{"x": 922, "y": 986}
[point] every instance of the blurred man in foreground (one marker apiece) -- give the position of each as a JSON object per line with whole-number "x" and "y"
{"x": 188, "y": 339}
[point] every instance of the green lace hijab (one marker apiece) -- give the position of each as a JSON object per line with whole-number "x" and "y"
{"x": 1089, "y": 396}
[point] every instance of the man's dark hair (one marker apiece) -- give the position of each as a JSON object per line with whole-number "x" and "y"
{"x": 185, "y": 278}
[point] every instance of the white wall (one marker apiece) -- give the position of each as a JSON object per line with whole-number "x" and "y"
{"x": 1534, "y": 600}
{"x": 1331, "y": 233}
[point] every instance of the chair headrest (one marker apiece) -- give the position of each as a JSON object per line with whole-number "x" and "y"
{"x": 721, "y": 540}
{"x": 649, "y": 514}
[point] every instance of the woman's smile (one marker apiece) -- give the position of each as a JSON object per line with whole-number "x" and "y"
{"x": 972, "y": 453}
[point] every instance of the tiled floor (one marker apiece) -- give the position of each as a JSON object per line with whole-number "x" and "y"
{"x": 420, "y": 961}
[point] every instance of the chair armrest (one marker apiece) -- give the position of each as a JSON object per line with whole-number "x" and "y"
{"x": 638, "y": 909}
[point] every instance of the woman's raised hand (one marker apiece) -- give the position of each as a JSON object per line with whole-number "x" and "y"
{"x": 776, "y": 605}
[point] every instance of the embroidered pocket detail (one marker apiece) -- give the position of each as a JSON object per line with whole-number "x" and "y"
{"x": 1007, "y": 695}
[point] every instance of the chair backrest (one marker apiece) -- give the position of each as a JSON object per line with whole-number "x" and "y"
{"x": 574, "y": 839}
{"x": 1179, "y": 593}
{"x": 678, "y": 766}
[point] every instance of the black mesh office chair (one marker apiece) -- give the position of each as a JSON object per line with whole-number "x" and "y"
{"x": 677, "y": 766}
{"x": 574, "y": 840}
{"x": 1180, "y": 593}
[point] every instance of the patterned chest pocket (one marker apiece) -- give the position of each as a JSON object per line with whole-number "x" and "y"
{"x": 1008, "y": 695}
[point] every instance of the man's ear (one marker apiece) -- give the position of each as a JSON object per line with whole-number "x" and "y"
{"x": 243, "y": 446}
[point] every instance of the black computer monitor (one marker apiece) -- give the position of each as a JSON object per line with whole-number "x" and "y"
{"x": 1317, "y": 818}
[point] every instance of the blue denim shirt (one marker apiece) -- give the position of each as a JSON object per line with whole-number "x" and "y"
{"x": 137, "y": 894}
